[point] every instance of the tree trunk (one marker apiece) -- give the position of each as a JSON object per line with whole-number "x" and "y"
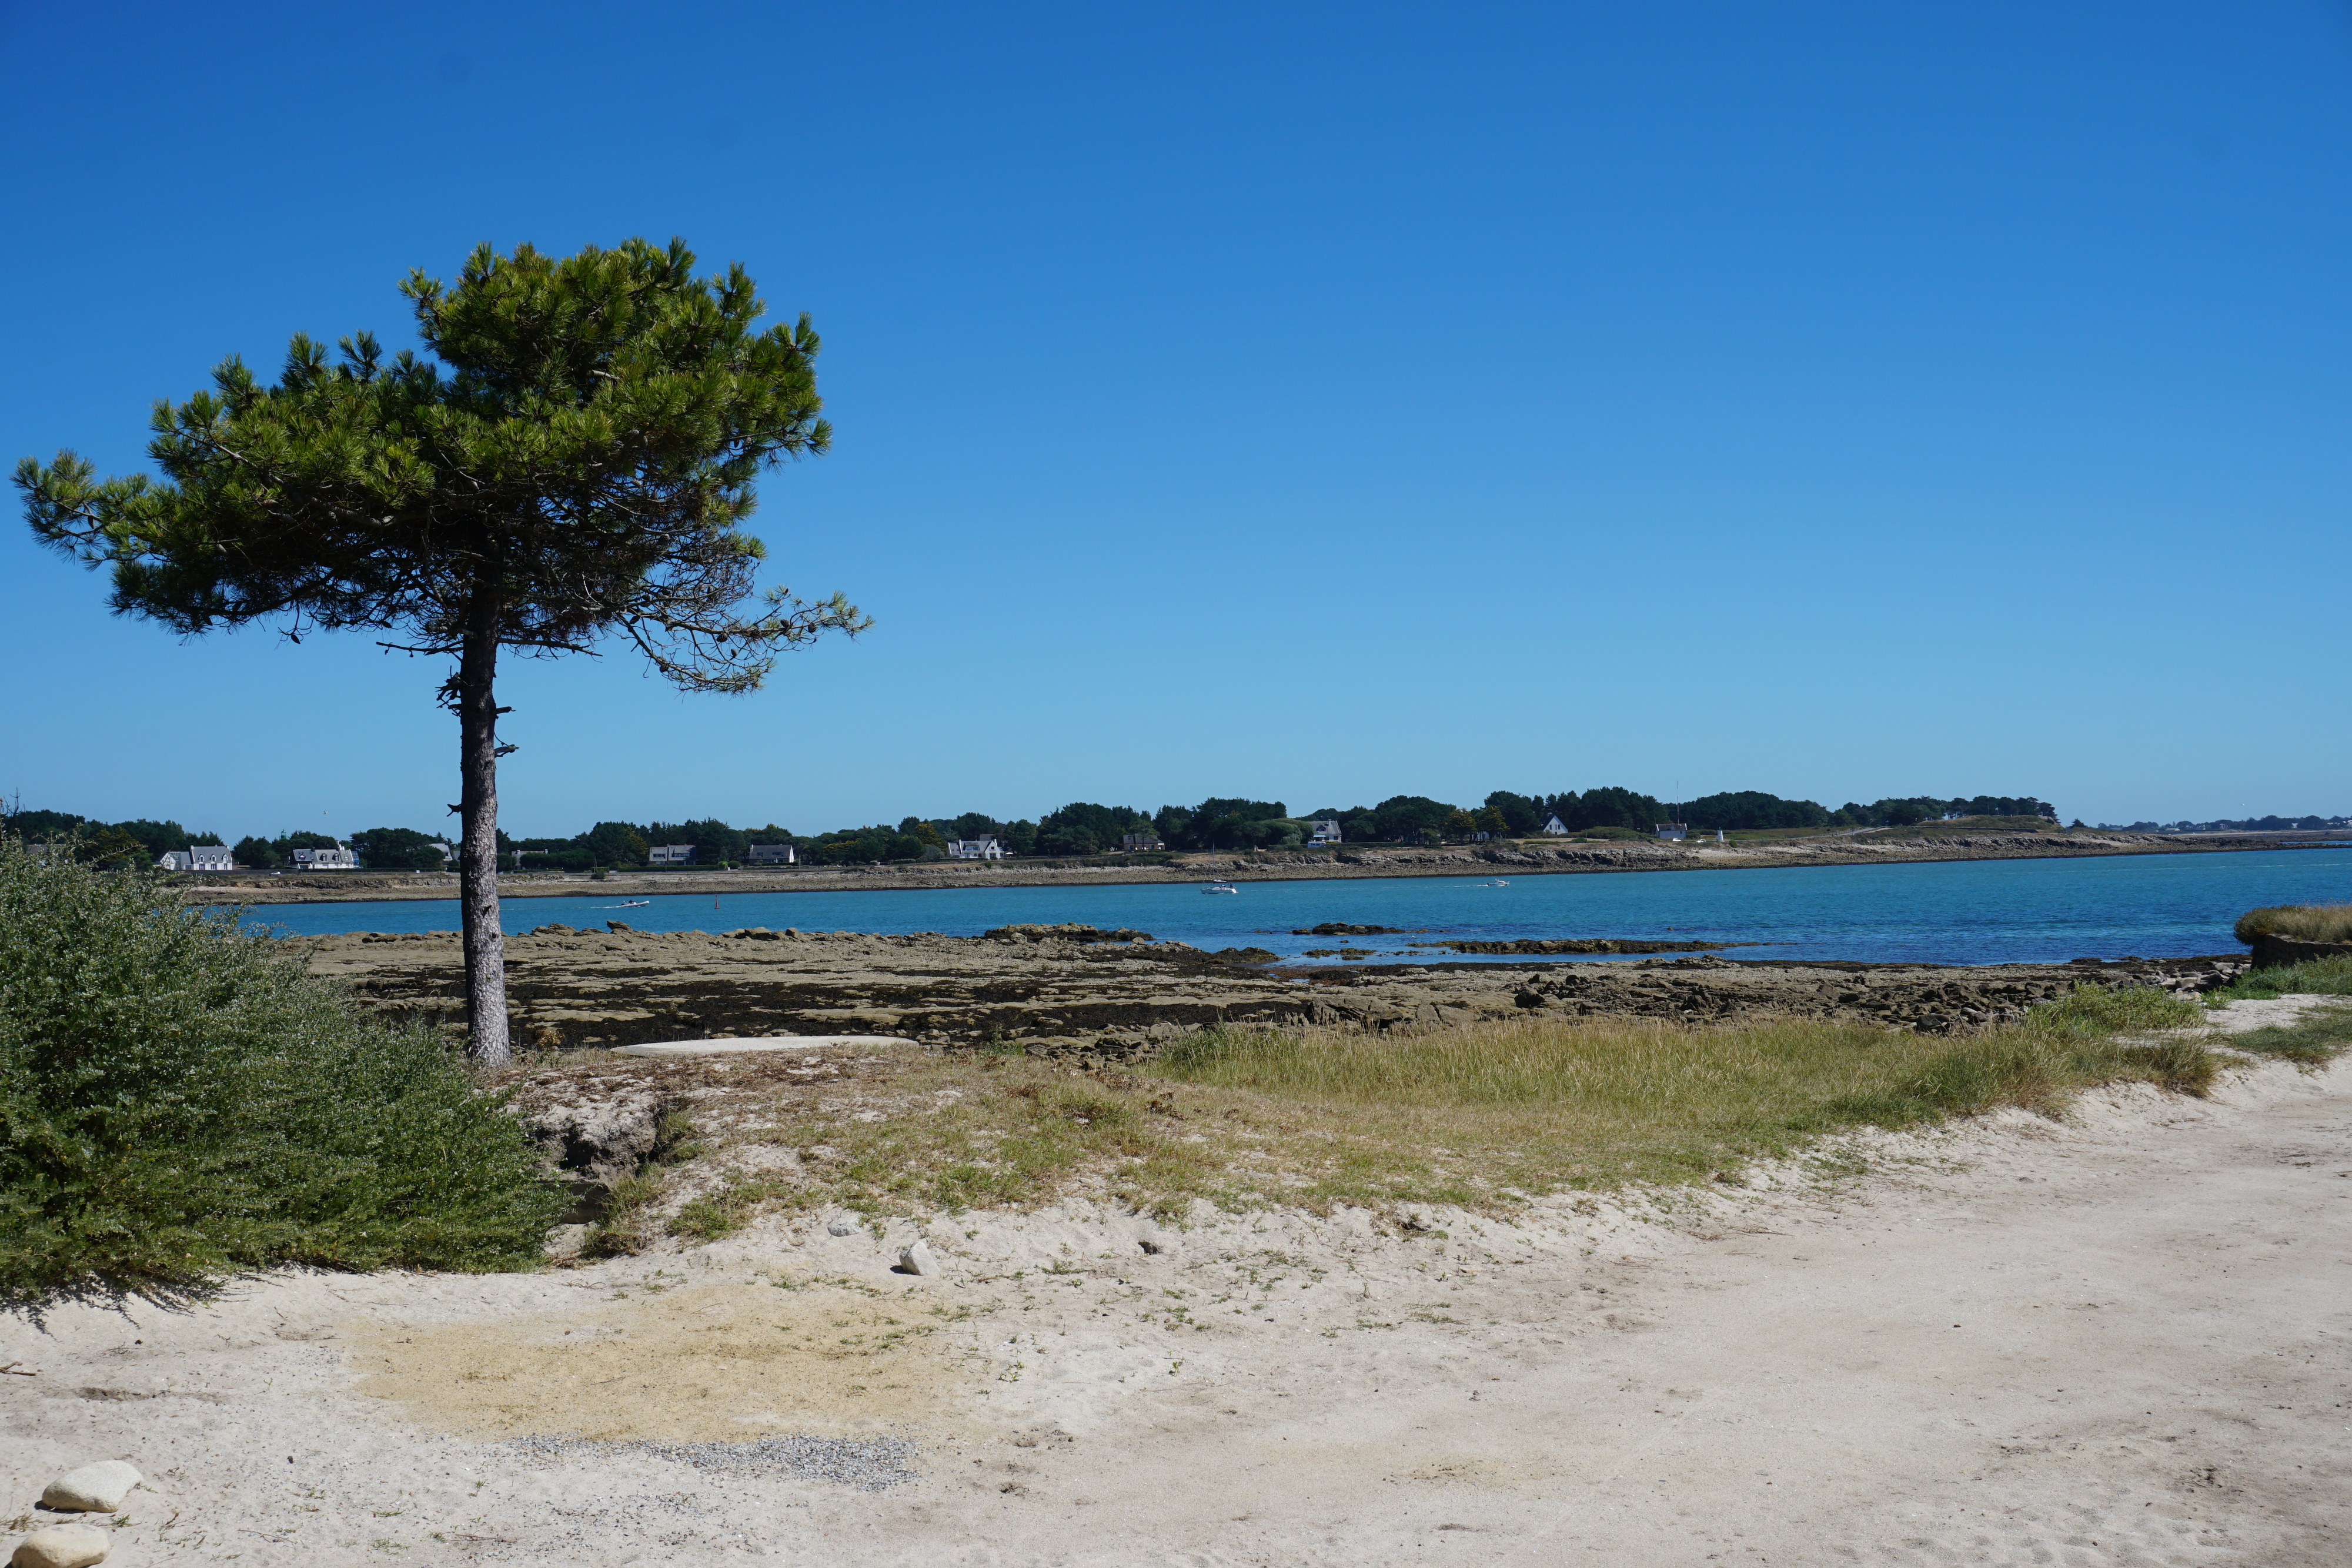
{"x": 477, "y": 857}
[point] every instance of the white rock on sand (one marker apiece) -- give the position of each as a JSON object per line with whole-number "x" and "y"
{"x": 61, "y": 1546}
{"x": 2120, "y": 1340}
{"x": 93, "y": 1489}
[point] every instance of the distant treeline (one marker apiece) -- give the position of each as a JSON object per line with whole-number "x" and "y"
{"x": 384, "y": 849}
{"x": 2241, "y": 825}
{"x": 1081, "y": 828}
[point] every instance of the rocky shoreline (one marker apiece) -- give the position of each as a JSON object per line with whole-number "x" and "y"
{"x": 1075, "y": 991}
{"x": 1530, "y": 858}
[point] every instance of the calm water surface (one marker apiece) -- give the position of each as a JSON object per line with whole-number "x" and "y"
{"x": 1961, "y": 912}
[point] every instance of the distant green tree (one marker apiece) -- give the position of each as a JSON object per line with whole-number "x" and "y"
{"x": 1082, "y": 828}
{"x": 1750, "y": 808}
{"x": 1521, "y": 814}
{"x": 614, "y": 844}
{"x": 258, "y": 854}
{"x": 1065, "y": 838}
{"x": 1410, "y": 820}
{"x": 1609, "y": 806}
{"x": 577, "y": 474}
{"x": 1490, "y": 821}
{"x": 974, "y": 825}
{"x": 916, "y": 829}
{"x": 40, "y": 827}
{"x": 1021, "y": 836}
{"x": 397, "y": 848}
{"x": 161, "y": 838}
{"x": 1271, "y": 833}
{"x": 1217, "y": 823}
{"x": 715, "y": 843}
{"x": 112, "y": 846}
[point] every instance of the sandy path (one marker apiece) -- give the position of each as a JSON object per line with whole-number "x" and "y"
{"x": 2123, "y": 1340}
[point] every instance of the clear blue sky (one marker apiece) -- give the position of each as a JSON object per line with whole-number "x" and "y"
{"x": 1313, "y": 403}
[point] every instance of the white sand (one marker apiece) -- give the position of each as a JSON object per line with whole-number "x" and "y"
{"x": 2121, "y": 1341}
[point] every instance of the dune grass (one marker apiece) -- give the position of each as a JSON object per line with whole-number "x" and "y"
{"x": 1484, "y": 1116}
{"x": 179, "y": 1103}
{"x": 2315, "y": 976}
{"x": 2303, "y": 922}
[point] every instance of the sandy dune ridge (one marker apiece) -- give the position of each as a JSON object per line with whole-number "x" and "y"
{"x": 2120, "y": 1340}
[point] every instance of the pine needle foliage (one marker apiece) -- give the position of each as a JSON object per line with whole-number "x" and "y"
{"x": 568, "y": 465}
{"x": 178, "y": 1104}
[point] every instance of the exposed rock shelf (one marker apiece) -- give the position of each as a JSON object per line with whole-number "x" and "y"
{"x": 1069, "y": 990}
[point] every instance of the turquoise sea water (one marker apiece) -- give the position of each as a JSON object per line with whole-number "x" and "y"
{"x": 1961, "y": 912}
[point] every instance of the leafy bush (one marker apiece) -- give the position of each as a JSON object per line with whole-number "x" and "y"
{"x": 179, "y": 1102}
{"x": 2303, "y": 922}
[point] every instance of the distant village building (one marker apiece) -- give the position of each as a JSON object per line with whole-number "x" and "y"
{"x": 770, "y": 854}
{"x": 1555, "y": 827}
{"x": 1677, "y": 831}
{"x": 987, "y": 849}
{"x": 1327, "y": 831}
{"x": 670, "y": 854}
{"x": 336, "y": 859}
{"x": 1132, "y": 841}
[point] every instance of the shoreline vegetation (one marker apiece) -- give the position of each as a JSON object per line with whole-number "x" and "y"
{"x": 1537, "y": 857}
{"x": 190, "y": 1105}
{"x": 1483, "y": 1118}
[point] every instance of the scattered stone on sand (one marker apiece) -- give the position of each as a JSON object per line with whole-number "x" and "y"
{"x": 93, "y": 1489}
{"x": 917, "y": 1258}
{"x": 61, "y": 1546}
{"x": 842, "y": 1225}
{"x": 865, "y": 1463}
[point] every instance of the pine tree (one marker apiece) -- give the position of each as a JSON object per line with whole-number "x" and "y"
{"x": 571, "y": 466}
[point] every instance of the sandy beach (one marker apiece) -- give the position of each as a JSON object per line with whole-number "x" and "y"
{"x": 2115, "y": 1340}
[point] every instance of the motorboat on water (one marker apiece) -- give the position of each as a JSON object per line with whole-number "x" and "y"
{"x": 1220, "y": 887}
{"x": 633, "y": 904}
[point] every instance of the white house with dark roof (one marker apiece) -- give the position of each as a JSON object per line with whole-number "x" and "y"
{"x": 198, "y": 857}
{"x": 670, "y": 854}
{"x": 983, "y": 849}
{"x": 336, "y": 859}
{"x": 770, "y": 854}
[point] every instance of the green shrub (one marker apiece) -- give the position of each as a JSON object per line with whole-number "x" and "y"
{"x": 2303, "y": 922}
{"x": 179, "y": 1103}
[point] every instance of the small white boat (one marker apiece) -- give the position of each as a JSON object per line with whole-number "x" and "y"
{"x": 1220, "y": 887}
{"x": 633, "y": 904}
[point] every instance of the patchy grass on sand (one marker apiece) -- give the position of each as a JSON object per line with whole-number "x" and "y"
{"x": 1485, "y": 1117}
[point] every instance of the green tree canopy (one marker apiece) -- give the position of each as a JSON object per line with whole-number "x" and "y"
{"x": 1520, "y": 813}
{"x": 1752, "y": 808}
{"x": 571, "y": 466}
{"x": 397, "y": 848}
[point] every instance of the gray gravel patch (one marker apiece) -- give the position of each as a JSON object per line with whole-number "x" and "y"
{"x": 867, "y": 1464}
